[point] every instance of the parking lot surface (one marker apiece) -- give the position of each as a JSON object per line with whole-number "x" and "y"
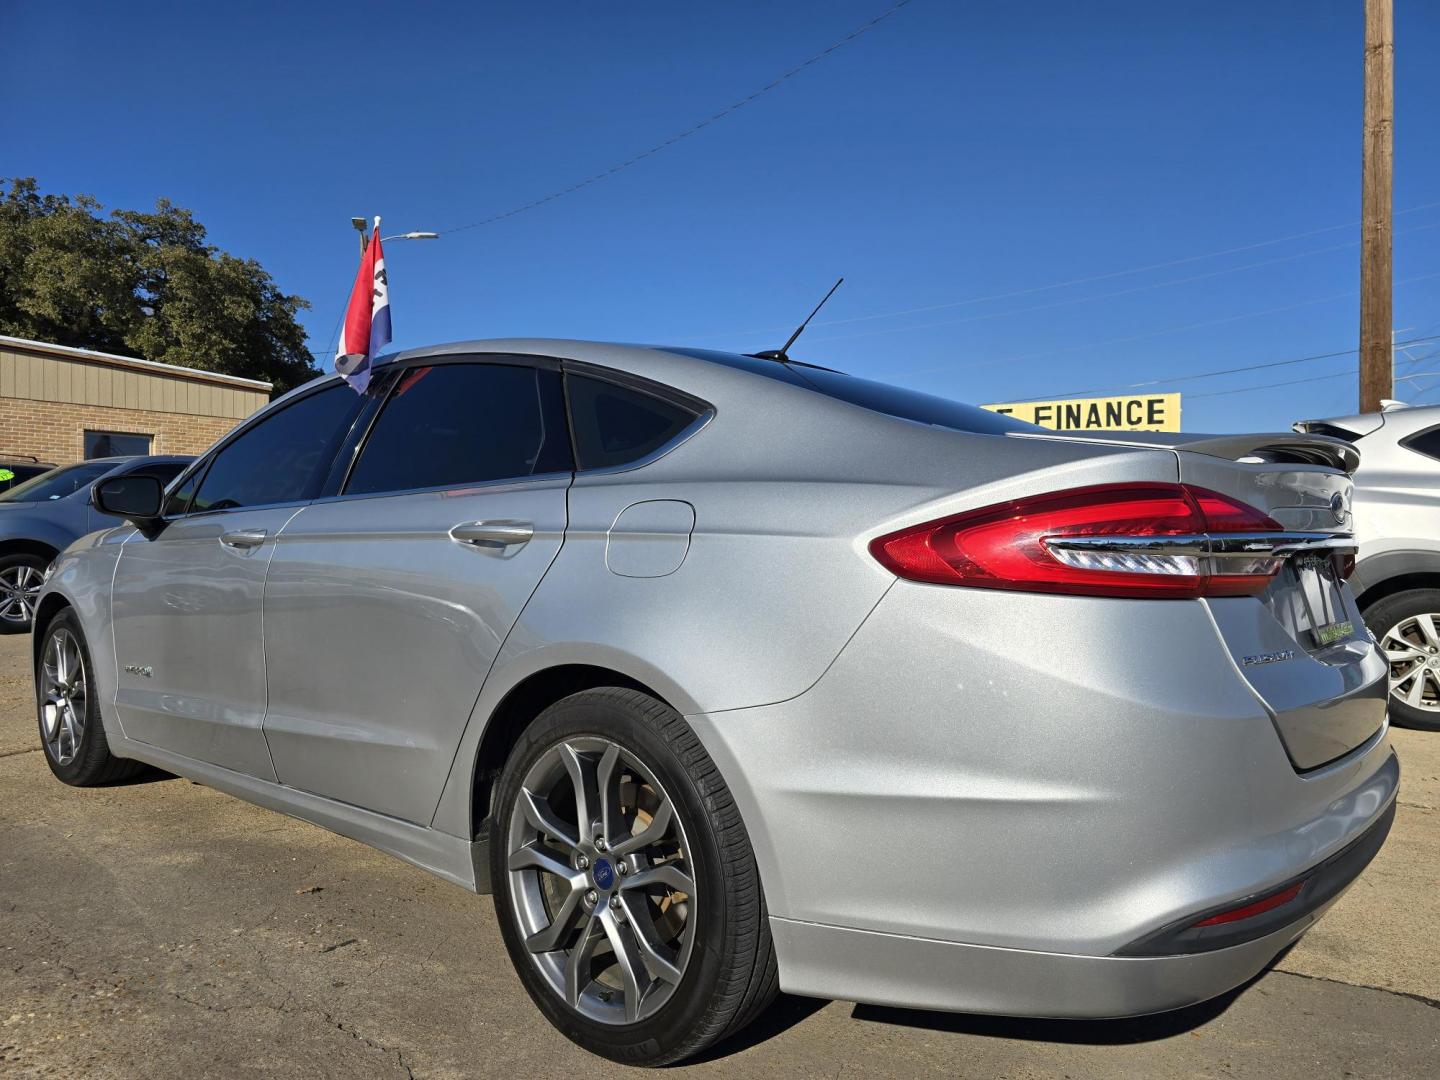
{"x": 163, "y": 929}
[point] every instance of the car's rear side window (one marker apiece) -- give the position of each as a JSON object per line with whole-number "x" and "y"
{"x": 454, "y": 424}
{"x": 283, "y": 457}
{"x": 1426, "y": 442}
{"x": 615, "y": 425}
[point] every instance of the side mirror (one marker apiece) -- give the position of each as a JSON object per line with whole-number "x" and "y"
{"x": 138, "y": 499}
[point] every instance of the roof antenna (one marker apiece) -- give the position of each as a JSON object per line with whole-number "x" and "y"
{"x": 781, "y": 353}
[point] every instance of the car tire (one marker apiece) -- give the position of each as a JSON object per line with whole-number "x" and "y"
{"x": 685, "y": 908}
{"x": 67, "y": 709}
{"x": 20, "y": 579}
{"x": 1407, "y": 625}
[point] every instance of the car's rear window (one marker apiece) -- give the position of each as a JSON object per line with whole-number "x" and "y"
{"x": 878, "y": 397}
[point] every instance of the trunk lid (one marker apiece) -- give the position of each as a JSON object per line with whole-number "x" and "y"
{"x": 1302, "y": 645}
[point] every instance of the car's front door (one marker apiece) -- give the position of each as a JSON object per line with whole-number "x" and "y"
{"x": 186, "y": 602}
{"x": 387, "y": 603}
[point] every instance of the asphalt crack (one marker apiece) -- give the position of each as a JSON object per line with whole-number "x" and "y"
{"x": 17, "y": 753}
{"x": 387, "y": 1050}
{"x": 1421, "y": 998}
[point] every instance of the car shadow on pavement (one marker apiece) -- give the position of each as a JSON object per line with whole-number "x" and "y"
{"x": 1118, "y": 1032}
{"x": 147, "y": 774}
{"x": 788, "y": 1010}
{"x": 784, "y": 1012}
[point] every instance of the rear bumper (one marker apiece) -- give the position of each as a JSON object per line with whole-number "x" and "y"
{"x": 1000, "y": 814}
{"x": 1318, "y": 887}
{"x": 919, "y": 973}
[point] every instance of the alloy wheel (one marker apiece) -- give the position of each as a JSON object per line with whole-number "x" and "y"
{"x": 19, "y": 592}
{"x": 62, "y": 696}
{"x": 1412, "y": 648}
{"x": 600, "y": 880}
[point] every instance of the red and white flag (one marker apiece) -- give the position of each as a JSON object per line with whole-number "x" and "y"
{"x": 366, "y": 329}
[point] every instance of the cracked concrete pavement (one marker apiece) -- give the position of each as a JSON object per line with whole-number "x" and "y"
{"x": 162, "y": 928}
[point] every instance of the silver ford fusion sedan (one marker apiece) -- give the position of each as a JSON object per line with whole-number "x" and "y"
{"x": 729, "y": 674}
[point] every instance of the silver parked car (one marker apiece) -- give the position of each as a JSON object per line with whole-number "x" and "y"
{"x": 728, "y": 674}
{"x": 1397, "y": 523}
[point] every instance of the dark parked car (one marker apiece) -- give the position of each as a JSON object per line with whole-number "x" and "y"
{"x": 41, "y": 518}
{"x": 15, "y": 469}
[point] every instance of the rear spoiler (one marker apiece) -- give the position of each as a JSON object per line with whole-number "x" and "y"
{"x": 1288, "y": 448}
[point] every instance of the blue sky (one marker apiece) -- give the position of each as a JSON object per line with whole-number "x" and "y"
{"x": 959, "y": 151}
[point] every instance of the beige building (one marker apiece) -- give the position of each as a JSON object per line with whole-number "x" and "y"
{"x": 64, "y": 405}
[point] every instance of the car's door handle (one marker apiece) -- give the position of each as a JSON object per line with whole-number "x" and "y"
{"x": 493, "y": 534}
{"x": 244, "y": 539}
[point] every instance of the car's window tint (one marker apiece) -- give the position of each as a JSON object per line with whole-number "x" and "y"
{"x": 615, "y": 425}
{"x": 57, "y": 483}
{"x": 875, "y": 396}
{"x": 1427, "y": 443}
{"x": 453, "y": 424}
{"x": 178, "y": 501}
{"x": 282, "y": 458}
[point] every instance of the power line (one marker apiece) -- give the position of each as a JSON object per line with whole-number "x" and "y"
{"x": 1090, "y": 278}
{"x": 1272, "y": 386}
{"x": 673, "y": 139}
{"x": 1223, "y": 371}
{"x": 1111, "y": 295}
{"x": 1313, "y": 378}
{"x": 1018, "y": 357}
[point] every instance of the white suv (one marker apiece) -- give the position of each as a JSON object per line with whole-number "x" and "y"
{"x": 1397, "y": 521}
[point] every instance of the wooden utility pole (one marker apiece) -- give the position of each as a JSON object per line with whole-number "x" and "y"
{"x": 1376, "y": 174}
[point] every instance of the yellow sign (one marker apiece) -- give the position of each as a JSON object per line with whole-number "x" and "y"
{"x": 1143, "y": 412}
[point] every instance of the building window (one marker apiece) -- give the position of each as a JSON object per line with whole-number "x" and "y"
{"x": 115, "y": 443}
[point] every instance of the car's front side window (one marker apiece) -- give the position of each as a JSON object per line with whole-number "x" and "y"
{"x": 449, "y": 425}
{"x": 280, "y": 459}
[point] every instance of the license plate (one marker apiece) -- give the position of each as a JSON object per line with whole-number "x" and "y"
{"x": 1324, "y": 605}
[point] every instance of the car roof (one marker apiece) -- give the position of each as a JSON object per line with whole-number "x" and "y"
{"x": 654, "y": 361}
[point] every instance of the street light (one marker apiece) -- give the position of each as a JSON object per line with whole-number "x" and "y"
{"x": 361, "y": 225}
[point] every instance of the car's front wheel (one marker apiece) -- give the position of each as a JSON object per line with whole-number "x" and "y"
{"x": 1407, "y": 625}
{"x": 625, "y": 882}
{"x": 69, "y": 712}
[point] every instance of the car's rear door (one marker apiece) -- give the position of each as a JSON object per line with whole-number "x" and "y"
{"x": 388, "y": 601}
{"x": 186, "y": 601}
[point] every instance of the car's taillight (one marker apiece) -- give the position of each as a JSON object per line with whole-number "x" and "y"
{"x": 1163, "y": 541}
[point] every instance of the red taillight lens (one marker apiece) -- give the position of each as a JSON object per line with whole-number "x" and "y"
{"x": 1117, "y": 546}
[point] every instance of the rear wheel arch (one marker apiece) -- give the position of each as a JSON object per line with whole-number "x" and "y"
{"x": 520, "y": 707}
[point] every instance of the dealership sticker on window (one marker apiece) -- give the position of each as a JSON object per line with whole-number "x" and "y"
{"x": 6, "y": 474}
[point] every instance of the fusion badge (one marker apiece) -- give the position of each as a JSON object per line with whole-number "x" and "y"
{"x": 1269, "y": 657}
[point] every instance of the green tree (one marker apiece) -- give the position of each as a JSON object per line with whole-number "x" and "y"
{"x": 144, "y": 284}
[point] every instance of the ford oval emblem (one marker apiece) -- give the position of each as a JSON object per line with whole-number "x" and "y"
{"x": 1337, "y": 508}
{"x": 604, "y": 873}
